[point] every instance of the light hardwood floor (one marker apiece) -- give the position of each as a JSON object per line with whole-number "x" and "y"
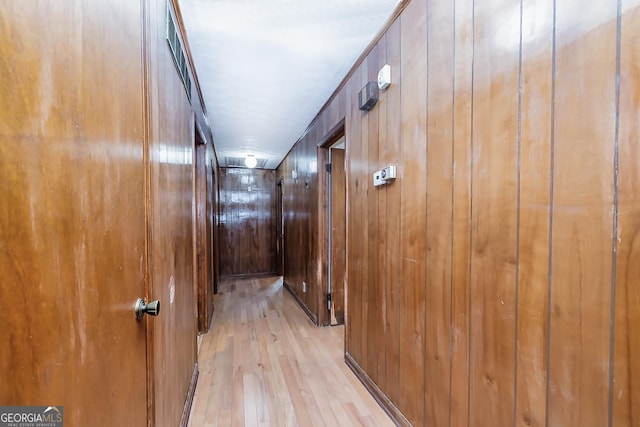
{"x": 265, "y": 364}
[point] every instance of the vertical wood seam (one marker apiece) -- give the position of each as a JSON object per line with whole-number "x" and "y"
{"x": 148, "y": 219}
{"x": 425, "y": 384}
{"x": 399, "y": 158}
{"x": 614, "y": 233}
{"x": 517, "y": 290}
{"x": 550, "y": 251}
{"x": 473, "y": 64}
{"x": 388, "y": 286}
{"x": 453, "y": 189}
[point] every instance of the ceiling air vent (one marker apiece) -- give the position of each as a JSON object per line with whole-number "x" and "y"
{"x": 177, "y": 51}
{"x": 238, "y": 162}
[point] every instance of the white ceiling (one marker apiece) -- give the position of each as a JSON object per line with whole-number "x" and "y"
{"x": 266, "y": 67}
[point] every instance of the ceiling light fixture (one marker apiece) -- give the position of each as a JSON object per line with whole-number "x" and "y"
{"x": 250, "y": 161}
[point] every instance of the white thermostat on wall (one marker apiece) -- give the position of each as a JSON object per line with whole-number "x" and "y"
{"x": 384, "y": 176}
{"x": 384, "y": 77}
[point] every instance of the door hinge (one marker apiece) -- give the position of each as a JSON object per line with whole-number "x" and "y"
{"x": 329, "y": 301}
{"x": 329, "y": 167}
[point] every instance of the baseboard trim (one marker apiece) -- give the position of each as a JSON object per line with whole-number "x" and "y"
{"x": 186, "y": 411}
{"x": 394, "y": 413}
{"x": 302, "y": 305}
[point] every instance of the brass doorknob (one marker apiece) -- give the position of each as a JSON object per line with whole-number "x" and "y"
{"x": 142, "y": 308}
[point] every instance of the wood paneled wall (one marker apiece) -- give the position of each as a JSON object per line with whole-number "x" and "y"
{"x": 492, "y": 282}
{"x": 72, "y": 209}
{"x": 206, "y": 187}
{"x": 248, "y": 221}
{"x": 96, "y": 160}
{"x": 172, "y": 182}
{"x": 303, "y": 264}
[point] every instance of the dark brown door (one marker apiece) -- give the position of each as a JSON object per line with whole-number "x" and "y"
{"x": 280, "y": 226}
{"x": 338, "y": 235}
{"x": 204, "y": 234}
{"x": 72, "y": 213}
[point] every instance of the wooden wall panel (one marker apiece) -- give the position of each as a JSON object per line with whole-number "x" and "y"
{"x": 355, "y": 224}
{"x": 248, "y": 221}
{"x": 316, "y": 297}
{"x": 535, "y": 177}
{"x": 206, "y": 175}
{"x": 302, "y": 219}
{"x": 338, "y": 235}
{"x": 461, "y": 233}
{"x": 106, "y": 171}
{"x": 372, "y": 315}
{"x": 380, "y": 247}
{"x": 171, "y": 146}
{"x": 625, "y": 388}
{"x": 72, "y": 210}
{"x": 303, "y": 201}
{"x": 494, "y": 173}
{"x": 413, "y": 204}
{"x": 393, "y": 146}
{"x": 440, "y": 79}
{"x": 504, "y": 298}
{"x": 582, "y": 215}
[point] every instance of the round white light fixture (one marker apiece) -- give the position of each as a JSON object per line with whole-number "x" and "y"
{"x": 250, "y": 161}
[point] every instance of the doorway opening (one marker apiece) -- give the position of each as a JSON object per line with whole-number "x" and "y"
{"x": 204, "y": 230}
{"x": 332, "y": 154}
{"x": 280, "y": 226}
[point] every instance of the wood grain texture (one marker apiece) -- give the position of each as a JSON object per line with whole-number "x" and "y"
{"x": 364, "y": 184}
{"x": 535, "y": 176}
{"x": 439, "y": 212}
{"x": 276, "y": 367}
{"x": 377, "y": 225}
{"x": 392, "y": 98}
{"x": 626, "y": 351}
{"x": 303, "y": 223}
{"x": 338, "y": 235}
{"x": 206, "y": 200}
{"x": 585, "y": 75}
{"x": 72, "y": 209}
{"x": 172, "y": 259}
{"x": 380, "y": 248}
{"x": 104, "y": 139}
{"x": 373, "y": 319}
{"x": 413, "y": 204}
{"x": 355, "y": 175}
{"x": 279, "y": 223}
{"x": 494, "y": 214}
{"x": 460, "y": 324}
{"x": 515, "y": 211}
{"x": 248, "y": 223}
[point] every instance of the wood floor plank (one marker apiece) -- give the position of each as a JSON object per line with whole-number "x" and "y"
{"x": 265, "y": 364}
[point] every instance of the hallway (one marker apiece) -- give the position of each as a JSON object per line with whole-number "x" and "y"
{"x": 265, "y": 364}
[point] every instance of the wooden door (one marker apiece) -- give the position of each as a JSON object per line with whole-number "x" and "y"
{"x": 338, "y": 235}
{"x": 280, "y": 225}
{"x": 72, "y": 211}
{"x": 203, "y": 234}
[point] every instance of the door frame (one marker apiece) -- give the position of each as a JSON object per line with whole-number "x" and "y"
{"x": 203, "y": 237}
{"x": 324, "y": 147}
{"x": 280, "y": 225}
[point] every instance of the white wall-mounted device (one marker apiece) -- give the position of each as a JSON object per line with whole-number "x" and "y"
{"x": 384, "y": 77}
{"x": 384, "y": 176}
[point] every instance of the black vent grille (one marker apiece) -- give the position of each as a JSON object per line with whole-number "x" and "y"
{"x": 177, "y": 51}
